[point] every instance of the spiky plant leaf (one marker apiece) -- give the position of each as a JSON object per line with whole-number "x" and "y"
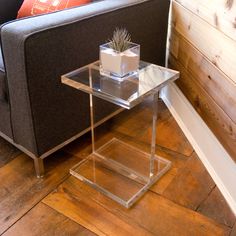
{"x": 120, "y": 40}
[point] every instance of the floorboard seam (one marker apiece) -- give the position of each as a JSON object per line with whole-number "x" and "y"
{"x": 162, "y": 148}
{"x": 60, "y": 182}
{"x": 124, "y": 217}
{"x": 197, "y": 208}
{"x": 68, "y": 217}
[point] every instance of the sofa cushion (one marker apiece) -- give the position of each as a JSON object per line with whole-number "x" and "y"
{"x": 36, "y": 7}
{"x": 9, "y": 9}
{"x": 2, "y": 79}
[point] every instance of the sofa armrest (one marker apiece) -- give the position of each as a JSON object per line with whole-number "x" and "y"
{"x": 38, "y": 50}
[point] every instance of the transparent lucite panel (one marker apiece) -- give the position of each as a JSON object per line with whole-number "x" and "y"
{"x": 126, "y": 93}
{"x": 123, "y": 163}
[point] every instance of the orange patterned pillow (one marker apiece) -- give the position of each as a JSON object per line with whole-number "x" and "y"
{"x": 36, "y": 7}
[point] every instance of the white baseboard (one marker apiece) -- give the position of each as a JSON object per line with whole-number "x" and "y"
{"x": 217, "y": 161}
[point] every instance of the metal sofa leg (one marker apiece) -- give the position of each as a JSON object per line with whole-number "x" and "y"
{"x": 39, "y": 167}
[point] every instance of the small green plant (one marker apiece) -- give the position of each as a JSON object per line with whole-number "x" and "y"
{"x": 120, "y": 40}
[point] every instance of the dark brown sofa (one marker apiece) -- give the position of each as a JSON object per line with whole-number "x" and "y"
{"x": 38, "y": 113}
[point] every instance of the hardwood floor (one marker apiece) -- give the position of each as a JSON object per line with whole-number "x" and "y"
{"x": 184, "y": 202}
{"x": 43, "y": 220}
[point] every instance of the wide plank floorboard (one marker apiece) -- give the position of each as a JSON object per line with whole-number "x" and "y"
{"x": 20, "y": 189}
{"x": 191, "y": 185}
{"x": 93, "y": 216}
{"x": 137, "y": 124}
{"x": 184, "y": 202}
{"x": 217, "y": 208}
{"x": 233, "y": 232}
{"x": 43, "y": 220}
{"x": 154, "y": 213}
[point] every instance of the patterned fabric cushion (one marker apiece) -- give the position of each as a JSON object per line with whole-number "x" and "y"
{"x": 36, "y": 7}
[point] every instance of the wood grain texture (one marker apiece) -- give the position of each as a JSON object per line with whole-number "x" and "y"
{"x": 218, "y": 13}
{"x": 190, "y": 186}
{"x": 43, "y": 220}
{"x": 215, "y": 45}
{"x": 221, "y": 125}
{"x": 138, "y": 124}
{"x": 80, "y": 147}
{"x": 178, "y": 162}
{"x": 152, "y": 214}
{"x": 210, "y": 78}
{"x": 20, "y": 190}
{"x": 233, "y": 232}
{"x": 85, "y": 211}
{"x": 73, "y": 203}
{"x": 216, "y": 208}
{"x": 127, "y": 127}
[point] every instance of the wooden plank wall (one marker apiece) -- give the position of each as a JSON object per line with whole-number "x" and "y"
{"x": 203, "y": 48}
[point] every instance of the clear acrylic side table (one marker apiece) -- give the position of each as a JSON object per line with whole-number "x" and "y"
{"x": 115, "y": 168}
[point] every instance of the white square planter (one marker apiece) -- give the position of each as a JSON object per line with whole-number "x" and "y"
{"x": 119, "y": 65}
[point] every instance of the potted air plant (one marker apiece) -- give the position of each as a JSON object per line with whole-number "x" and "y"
{"x": 119, "y": 58}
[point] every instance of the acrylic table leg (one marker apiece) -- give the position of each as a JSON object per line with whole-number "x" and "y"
{"x": 92, "y": 125}
{"x": 153, "y": 141}
{"x": 92, "y": 122}
{"x": 91, "y": 112}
